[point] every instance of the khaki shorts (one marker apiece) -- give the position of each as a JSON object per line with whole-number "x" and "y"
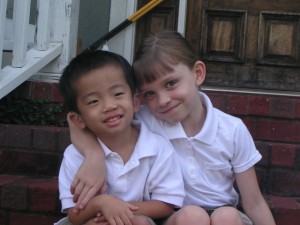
{"x": 66, "y": 221}
{"x": 245, "y": 218}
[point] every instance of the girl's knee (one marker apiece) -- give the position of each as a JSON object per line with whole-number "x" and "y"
{"x": 192, "y": 215}
{"x": 226, "y": 215}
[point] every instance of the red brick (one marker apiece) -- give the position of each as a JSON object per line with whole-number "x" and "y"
{"x": 261, "y": 179}
{"x": 264, "y": 150}
{"x": 14, "y": 196}
{"x": 44, "y": 196}
{"x": 21, "y": 162}
{"x": 32, "y": 219}
{"x": 4, "y": 178}
{"x": 218, "y": 100}
{"x": 283, "y": 107}
{"x": 3, "y": 218}
{"x": 56, "y": 96}
{"x": 19, "y": 136}
{"x": 259, "y": 105}
{"x": 283, "y": 155}
{"x": 44, "y": 139}
{"x": 284, "y": 182}
{"x": 286, "y": 210}
{"x": 251, "y": 125}
{"x": 3, "y": 134}
{"x": 278, "y": 130}
{"x": 63, "y": 139}
{"x": 297, "y": 108}
{"x": 237, "y": 104}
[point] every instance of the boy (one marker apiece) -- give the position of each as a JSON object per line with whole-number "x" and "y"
{"x": 144, "y": 180}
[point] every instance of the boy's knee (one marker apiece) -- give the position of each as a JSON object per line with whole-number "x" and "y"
{"x": 140, "y": 220}
{"x": 226, "y": 215}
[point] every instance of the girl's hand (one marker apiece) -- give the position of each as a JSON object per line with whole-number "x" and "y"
{"x": 86, "y": 187}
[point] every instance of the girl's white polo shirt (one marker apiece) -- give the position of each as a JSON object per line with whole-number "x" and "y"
{"x": 152, "y": 172}
{"x": 210, "y": 159}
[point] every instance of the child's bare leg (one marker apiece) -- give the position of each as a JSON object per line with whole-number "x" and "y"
{"x": 93, "y": 222}
{"x": 140, "y": 220}
{"x": 191, "y": 215}
{"x": 226, "y": 216}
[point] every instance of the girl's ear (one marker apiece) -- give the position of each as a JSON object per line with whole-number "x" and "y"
{"x": 75, "y": 120}
{"x": 200, "y": 72}
{"x": 137, "y": 99}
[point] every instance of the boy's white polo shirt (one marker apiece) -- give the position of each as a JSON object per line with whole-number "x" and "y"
{"x": 209, "y": 159}
{"x": 152, "y": 172}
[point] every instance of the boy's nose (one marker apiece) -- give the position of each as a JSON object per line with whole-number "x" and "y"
{"x": 109, "y": 106}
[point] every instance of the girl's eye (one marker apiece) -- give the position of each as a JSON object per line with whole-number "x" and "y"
{"x": 148, "y": 94}
{"x": 171, "y": 83}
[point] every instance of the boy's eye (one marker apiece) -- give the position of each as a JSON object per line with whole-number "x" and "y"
{"x": 119, "y": 93}
{"x": 171, "y": 83}
{"x": 92, "y": 102}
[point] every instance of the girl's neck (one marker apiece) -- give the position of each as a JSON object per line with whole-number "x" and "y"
{"x": 193, "y": 124}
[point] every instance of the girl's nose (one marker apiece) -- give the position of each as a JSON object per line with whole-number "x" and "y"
{"x": 163, "y": 98}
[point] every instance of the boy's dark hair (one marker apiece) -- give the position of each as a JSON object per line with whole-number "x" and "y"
{"x": 159, "y": 52}
{"x": 83, "y": 64}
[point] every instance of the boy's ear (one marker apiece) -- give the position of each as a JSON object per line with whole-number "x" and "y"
{"x": 75, "y": 119}
{"x": 137, "y": 99}
{"x": 200, "y": 72}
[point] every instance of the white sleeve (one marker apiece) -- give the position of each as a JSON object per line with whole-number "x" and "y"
{"x": 68, "y": 169}
{"x": 246, "y": 154}
{"x": 165, "y": 180}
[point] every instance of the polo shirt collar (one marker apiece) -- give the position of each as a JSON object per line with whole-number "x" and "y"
{"x": 141, "y": 149}
{"x": 209, "y": 130}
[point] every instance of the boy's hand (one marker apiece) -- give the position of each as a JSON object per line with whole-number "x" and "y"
{"x": 91, "y": 176}
{"x": 115, "y": 210}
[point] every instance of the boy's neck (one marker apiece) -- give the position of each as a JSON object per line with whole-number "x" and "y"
{"x": 124, "y": 143}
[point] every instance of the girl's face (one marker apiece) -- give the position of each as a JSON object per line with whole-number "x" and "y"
{"x": 174, "y": 97}
{"x": 105, "y": 102}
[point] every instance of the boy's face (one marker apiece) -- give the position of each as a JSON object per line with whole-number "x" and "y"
{"x": 174, "y": 97}
{"x": 105, "y": 101}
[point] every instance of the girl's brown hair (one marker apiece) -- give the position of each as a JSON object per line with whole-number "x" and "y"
{"x": 158, "y": 53}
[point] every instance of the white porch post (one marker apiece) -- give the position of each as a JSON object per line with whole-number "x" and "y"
{"x": 123, "y": 42}
{"x": 21, "y": 20}
{"x": 3, "y": 6}
{"x": 64, "y": 28}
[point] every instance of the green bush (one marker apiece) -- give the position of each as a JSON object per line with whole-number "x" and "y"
{"x": 30, "y": 112}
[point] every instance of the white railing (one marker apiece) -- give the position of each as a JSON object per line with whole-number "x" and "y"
{"x": 44, "y": 47}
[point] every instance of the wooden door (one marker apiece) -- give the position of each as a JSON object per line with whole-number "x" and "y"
{"x": 164, "y": 16}
{"x": 246, "y": 44}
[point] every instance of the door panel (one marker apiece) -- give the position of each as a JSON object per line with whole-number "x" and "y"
{"x": 164, "y": 16}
